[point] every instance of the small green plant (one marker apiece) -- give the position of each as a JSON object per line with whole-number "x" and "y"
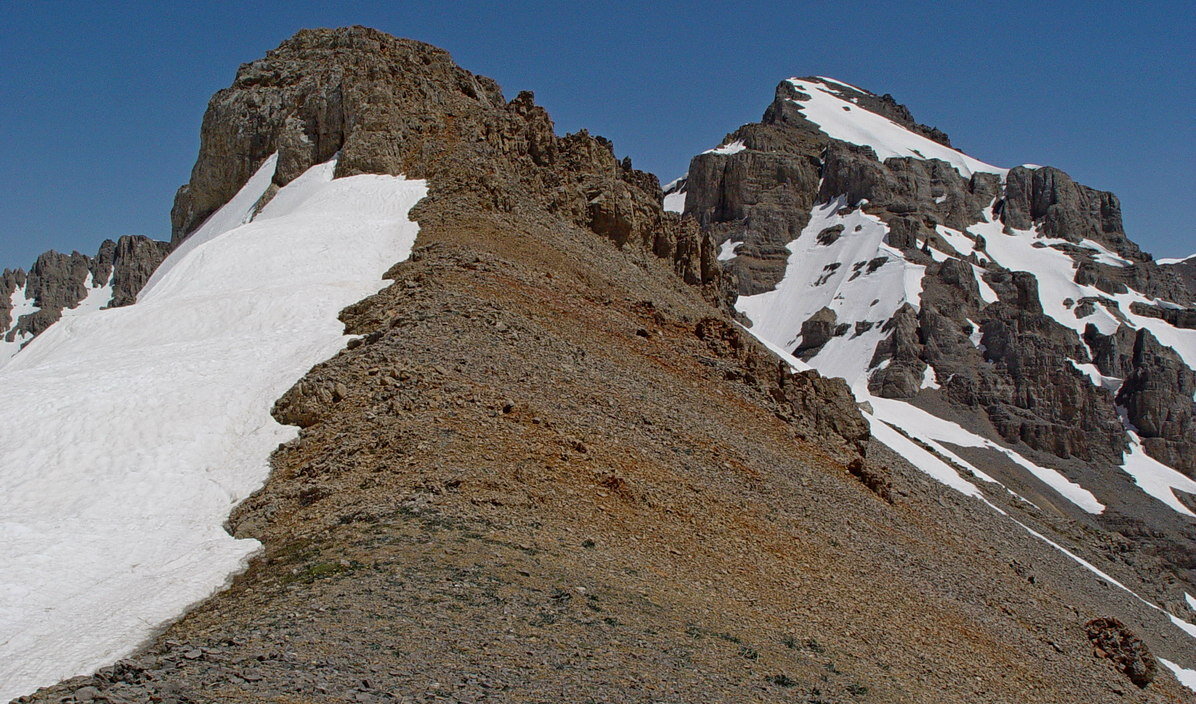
{"x": 789, "y": 642}
{"x": 320, "y": 570}
{"x": 748, "y": 652}
{"x": 814, "y": 646}
{"x": 857, "y": 690}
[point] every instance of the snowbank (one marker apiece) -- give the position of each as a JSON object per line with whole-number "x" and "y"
{"x": 129, "y": 434}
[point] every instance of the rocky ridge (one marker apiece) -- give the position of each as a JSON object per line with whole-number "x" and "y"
{"x": 58, "y": 282}
{"x": 553, "y": 468}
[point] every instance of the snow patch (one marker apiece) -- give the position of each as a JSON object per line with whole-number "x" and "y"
{"x": 929, "y": 427}
{"x": 857, "y": 276}
{"x": 1185, "y": 676}
{"x": 732, "y": 148}
{"x": 844, "y": 120}
{"x": 675, "y": 202}
{"x": 1156, "y": 478}
{"x": 130, "y": 433}
{"x": 1111, "y": 383}
{"x": 921, "y": 458}
{"x": 1026, "y": 250}
{"x": 21, "y": 305}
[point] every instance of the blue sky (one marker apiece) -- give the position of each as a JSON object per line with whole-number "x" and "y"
{"x": 100, "y": 103}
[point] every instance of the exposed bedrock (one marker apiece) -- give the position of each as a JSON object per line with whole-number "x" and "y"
{"x": 1186, "y": 272}
{"x": 1157, "y": 397}
{"x": 10, "y": 281}
{"x": 58, "y": 281}
{"x": 1024, "y": 380}
{"x": 397, "y": 106}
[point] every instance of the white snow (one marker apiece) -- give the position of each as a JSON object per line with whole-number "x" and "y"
{"x": 97, "y": 297}
{"x": 921, "y": 458}
{"x": 237, "y": 211}
{"x": 130, "y": 433}
{"x": 987, "y": 294}
{"x": 1055, "y": 271}
{"x": 976, "y": 335}
{"x": 674, "y": 195}
{"x": 675, "y": 202}
{"x": 726, "y": 250}
{"x": 1183, "y": 625}
{"x": 837, "y": 276}
{"x": 1099, "y": 380}
{"x": 1191, "y": 601}
{"x": 1175, "y": 261}
{"x": 1104, "y": 255}
{"x": 1185, "y": 676}
{"x": 930, "y": 428}
{"x": 844, "y": 120}
{"x": 21, "y": 305}
{"x": 959, "y": 241}
{"x": 929, "y": 378}
{"x": 732, "y": 148}
{"x": 1156, "y": 478}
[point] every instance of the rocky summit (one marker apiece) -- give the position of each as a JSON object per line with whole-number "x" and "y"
{"x": 842, "y": 415}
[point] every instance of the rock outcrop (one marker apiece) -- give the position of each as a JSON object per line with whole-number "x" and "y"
{"x": 1186, "y": 271}
{"x": 1112, "y": 640}
{"x": 393, "y": 106}
{"x": 57, "y": 282}
{"x": 761, "y": 196}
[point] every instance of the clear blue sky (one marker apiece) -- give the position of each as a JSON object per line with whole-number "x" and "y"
{"x": 100, "y": 103}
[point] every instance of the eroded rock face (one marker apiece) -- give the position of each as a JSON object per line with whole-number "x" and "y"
{"x": 134, "y": 260}
{"x": 1157, "y": 397}
{"x": 1007, "y": 359}
{"x": 1063, "y": 208}
{"x": 1186, "y": 271}
{"x": 397, "y": 106}
{"x": 59, "y": 281}
{"x": 10, "y": 281}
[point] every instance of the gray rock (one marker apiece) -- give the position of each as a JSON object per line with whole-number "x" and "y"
{"x": 57, "y": 281}
{"x": 1157, "y": 397}
{"x": 816, "y": 332}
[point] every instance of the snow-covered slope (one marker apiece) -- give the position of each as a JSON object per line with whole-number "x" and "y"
{"x": 842, "y": 118}
{"x": 857, "y": 276}
{"x": 130, "y": 433}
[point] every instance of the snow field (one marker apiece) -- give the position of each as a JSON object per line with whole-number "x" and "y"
{"x": 844, "y": 120}
{"x": 130, "y": 433}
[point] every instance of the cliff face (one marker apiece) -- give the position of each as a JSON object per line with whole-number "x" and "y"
{"x": 394, "y": 106}
{"x": 552, "y": 467}
{"x": 759, "y": 195}
{"x": 32, "y": 301}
